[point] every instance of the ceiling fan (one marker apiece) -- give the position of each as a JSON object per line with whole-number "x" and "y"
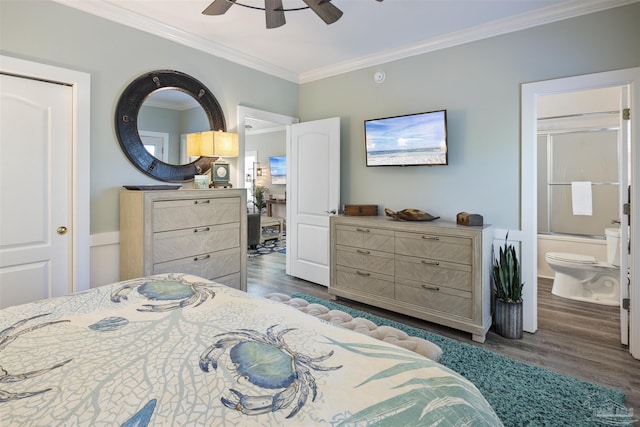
{"x": 274, "y": 10}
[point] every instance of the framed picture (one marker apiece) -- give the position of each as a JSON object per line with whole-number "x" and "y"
{"x": 220, "y": 173}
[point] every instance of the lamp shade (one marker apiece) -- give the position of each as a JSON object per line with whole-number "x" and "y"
{"x": 193, "y": 144}
{"x": 207, "y": 144}
{"x": 212, "y": 144}
{"x": 225, "y": 143}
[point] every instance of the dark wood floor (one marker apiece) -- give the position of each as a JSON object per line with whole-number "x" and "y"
{"x": 574, "y": 338}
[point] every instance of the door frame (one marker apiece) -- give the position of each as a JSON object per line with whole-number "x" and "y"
{"x": 243, "y": 113}
{"x": 80, "y": 162}
{"x": 528, "y": 206}
{"x": 164, "y": 136}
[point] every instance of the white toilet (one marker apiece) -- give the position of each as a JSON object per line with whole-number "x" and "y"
{"x": 583, "y": 278}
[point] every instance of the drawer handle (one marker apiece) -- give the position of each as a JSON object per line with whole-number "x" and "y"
{"x": 362, "y": 251}
{"x": 430, "y": 237}
{"x": 430, "y": 288}
{"x": 200, "y": 230}
{"x": 430, "y": 262}
{"x": 200, "y": 258}
{"x": 363, "y": 230}
{"x": 201, "y": 202}
{"x": 361, "y": 273}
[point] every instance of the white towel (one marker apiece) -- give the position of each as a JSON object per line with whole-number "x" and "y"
{"x": 581, "y": 199}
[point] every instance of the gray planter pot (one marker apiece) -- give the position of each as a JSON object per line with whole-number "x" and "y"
{"x": 508, "y": 319}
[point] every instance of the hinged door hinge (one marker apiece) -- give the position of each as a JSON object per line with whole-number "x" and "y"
{"x": 626, "y": 208}
{"x": 626, "y": 114}
{"x": 625, "y": 303}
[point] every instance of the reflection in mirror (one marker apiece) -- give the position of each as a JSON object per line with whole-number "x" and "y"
{"x": 165, "y": 117}
{"x": 126, "y": 123}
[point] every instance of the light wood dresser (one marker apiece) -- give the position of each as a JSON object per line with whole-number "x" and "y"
{"x": 200, "y": 232}
{"x": 436, "y": 271}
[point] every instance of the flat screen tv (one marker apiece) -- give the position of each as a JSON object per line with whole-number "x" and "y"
{"x": 410, "y": 140}
{"x": 278, "y": 167}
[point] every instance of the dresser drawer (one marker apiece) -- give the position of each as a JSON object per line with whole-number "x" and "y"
{"x": 365, "y": 237}
{"x": 362, "y": 281}
{"x": 434, "y": 272}
{"x": 365, "y": 259}
{"x": 169, "y": 245}
{"x": 433, "y": 246}
{"x": 447, "y": 300}
{"x": 209, "y": 265}
{"x": 188, "y": 213}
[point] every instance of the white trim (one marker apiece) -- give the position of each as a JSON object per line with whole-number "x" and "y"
{"x": 542, "y": 16}
{"x": 122, "y": 16}
{"x": 81, "y": 85}
{"x": 503, "y": 26}
{"x": 528, "y": 191}
{"x": 105, "y": 239}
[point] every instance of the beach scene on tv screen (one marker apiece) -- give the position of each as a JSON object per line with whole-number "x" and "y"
{"x": 418, "y": 139}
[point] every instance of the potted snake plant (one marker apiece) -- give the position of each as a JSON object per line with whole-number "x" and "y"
{"x": 507, "y": 285}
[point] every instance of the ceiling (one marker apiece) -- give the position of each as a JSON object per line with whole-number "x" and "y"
{"x": 368, "y": 34}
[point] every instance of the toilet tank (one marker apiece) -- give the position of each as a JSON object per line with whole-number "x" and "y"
{"x": 613, "y": 245}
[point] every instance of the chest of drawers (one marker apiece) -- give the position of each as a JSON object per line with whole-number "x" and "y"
{"x": 201, "y": 232}
{"x": 435, "y": 271}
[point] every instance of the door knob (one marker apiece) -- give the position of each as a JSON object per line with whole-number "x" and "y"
{"x": 332, "y": 212}
{"x": 61, "y": 230}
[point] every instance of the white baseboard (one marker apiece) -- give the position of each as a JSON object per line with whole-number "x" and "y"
{"x": 105, "y": 258}
{"x": 102, "y": 239}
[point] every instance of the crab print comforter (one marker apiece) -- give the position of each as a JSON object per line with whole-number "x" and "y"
{"x": 178, "y": 350}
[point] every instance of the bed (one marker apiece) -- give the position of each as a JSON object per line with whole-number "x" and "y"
{"x": 175, "y": 349}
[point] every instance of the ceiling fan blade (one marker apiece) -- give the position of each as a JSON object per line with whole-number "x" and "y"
{"x": 325, "y": 10}
{"x": 218, "y": 7}
{"x": 274, "y": 13}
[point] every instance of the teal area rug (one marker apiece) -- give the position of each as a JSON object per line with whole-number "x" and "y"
{"x": 521, "y": 394}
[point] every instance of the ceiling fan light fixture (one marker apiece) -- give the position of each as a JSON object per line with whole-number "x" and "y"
{"x": 274, "y": 10}
{"x": 274, "y": 13}
{"x": 325, "y": 10}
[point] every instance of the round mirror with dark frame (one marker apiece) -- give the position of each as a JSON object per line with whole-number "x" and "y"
{"x": 126, "y": 122}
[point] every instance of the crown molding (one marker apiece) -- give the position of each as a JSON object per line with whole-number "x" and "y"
{"x": 122, "y": 16}
{"x": 527, "y": 20}
{"x": 508, "y": 25}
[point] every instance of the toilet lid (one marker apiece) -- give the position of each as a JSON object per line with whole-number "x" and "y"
{"x": 576, "y": 258}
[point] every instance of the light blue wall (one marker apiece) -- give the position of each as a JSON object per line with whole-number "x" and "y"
{"x": 114, "y": 55}
{"x": 479, "y": 85}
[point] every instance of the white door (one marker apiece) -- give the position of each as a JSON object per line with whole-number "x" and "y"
{"x": 156, "y": 143}
{"x": 35, "y": 187}
{"x": 313, "y": 193}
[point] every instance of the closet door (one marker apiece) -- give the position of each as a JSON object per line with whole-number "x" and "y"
{"x": 35, "y": 190}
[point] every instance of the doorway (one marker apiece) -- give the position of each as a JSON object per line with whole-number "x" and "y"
{"x": 531, "y": 94}
{"x": 255, "y": 129}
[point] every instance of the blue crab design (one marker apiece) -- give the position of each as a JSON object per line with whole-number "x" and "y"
{"x": 9, "y": 335}
{"x": 172, "y": 288}
{"x": 266, "y": 361}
